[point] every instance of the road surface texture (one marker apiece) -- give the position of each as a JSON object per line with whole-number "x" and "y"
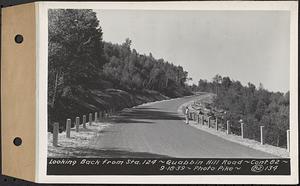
{"x": 158, "y": 131}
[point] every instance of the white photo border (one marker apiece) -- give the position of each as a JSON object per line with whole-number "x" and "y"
{"x": 42, "y": 74}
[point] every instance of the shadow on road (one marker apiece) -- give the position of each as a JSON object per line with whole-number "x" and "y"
{"x": 141, "y": 115}
{"x": 105, "y": 153}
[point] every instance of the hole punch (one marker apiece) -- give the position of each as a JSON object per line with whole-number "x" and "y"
{"x": 17, "y": 141}
{"x": 19, "y": 38}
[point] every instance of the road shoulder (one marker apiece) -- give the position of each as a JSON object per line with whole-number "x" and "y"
{"x": 276, "y": 151}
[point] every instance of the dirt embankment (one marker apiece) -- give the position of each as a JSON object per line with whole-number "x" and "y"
{"x": 78, "y": 103}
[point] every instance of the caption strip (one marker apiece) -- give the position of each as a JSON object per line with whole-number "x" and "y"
{"x": 141, "y": 166}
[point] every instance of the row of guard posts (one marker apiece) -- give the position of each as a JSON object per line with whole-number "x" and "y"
{"x": 98, "y": 116}
{"x": 202, "y": 119}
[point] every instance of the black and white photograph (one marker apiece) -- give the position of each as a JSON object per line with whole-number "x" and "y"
{"x": 175, "y": 87}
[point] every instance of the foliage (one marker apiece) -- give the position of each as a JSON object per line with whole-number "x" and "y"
{"x": 132, "y": 71}
{"x": 75, "y": 54}
{"x": 255, "y": 106}
{"x": 83, "y": 69}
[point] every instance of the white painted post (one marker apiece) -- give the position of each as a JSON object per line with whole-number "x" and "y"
{"x": 242, "y": 130}
{"x": 90, "y": 118}
{"x": 288, "y": 140}
{"x": 228, "y": 127}
{"x": 84, "y": 121}
{"x": 77, "y": 124}
{"x": 55, "y": 134}
{"x": 261, "y": 135}
{"x": 217, "y": 127}
{"x": 96, "y": 116}
{"x": 68, "y": 128}
{"x": 208, "y": 120}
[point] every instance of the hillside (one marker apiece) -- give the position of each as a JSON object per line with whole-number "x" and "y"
{"x": 87, "y": 74}
{"x": 254, "y": 106}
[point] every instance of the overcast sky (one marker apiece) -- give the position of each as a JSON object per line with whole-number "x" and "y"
{"x": 249, "y": 46}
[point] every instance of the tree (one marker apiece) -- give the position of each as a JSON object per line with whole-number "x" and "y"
{"x": 226, "y": 83}
{"x": 132, "y": 71}
{"x": 257, "y": 107}
{"x": 217, "y": 81}
{"x": 84, "y": 70}
{"x": 261, "y": 86}
{"x": 75, "y": 50}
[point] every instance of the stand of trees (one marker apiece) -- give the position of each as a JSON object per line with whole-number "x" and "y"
{"x": 131, "y": 71}
{"x": 255, "y": 106}
{"x": 87, "y": 74}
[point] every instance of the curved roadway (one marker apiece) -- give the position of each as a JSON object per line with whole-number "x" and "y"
{"x": 157, "y": 130}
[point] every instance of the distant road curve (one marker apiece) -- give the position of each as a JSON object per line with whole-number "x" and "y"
{"x": 157, "y": 130}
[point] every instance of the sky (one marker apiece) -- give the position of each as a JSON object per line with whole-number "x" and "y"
{"x": 248, "y": 46}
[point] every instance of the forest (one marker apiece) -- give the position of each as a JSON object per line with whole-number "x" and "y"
{"x": 256, "y": 106}
{"x": 88, "y": 74}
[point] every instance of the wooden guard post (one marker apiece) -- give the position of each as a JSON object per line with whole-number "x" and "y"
{"x": 77, "y": 124}
{"x": 96, "y": 116}
{"x": 208, "y": 121}
{"x": 84, "y": 121}
{"x": 68, "y": 128}
{"x": 242, "y": 130}
{"x": 55, "y": 134}
{"x": 228, "y": 127}
{"x": 262, "y": 135}
{"x": 90, "y": 119}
